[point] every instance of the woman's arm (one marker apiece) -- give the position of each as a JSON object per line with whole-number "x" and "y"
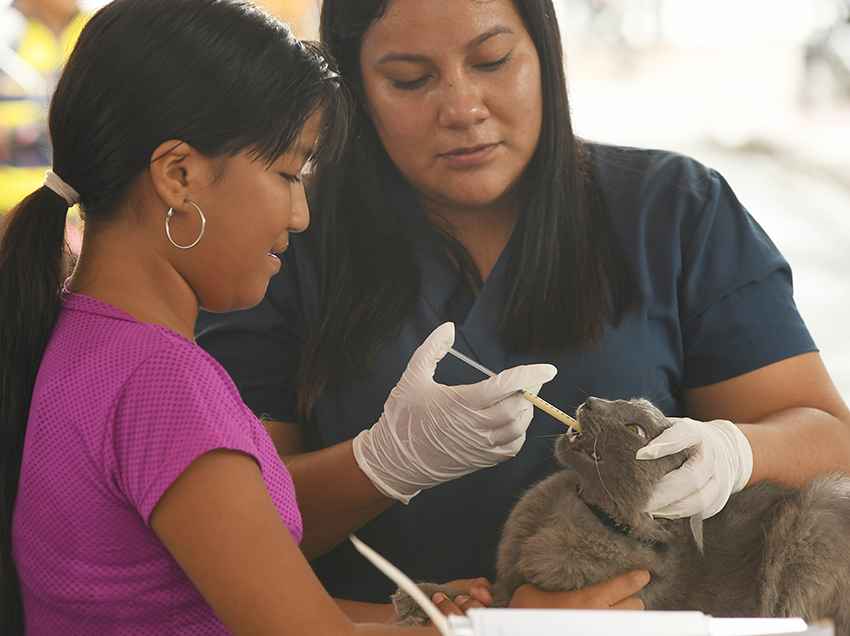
{"x": 334, "y": 495}
{"x": 617, "y": 593}
{"x": 794, "y": 418}
{"x": 221, "y": 526}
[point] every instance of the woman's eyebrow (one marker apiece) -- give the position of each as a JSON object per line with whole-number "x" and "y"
{"x": 413, "y": 57}
{"x": 481, "y": 39}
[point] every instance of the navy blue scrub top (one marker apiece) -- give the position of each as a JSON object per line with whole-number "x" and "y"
{"x": 716, "y": 303}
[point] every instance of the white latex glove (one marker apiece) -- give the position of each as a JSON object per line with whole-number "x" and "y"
{"x": 721, "y": 466}
{"x": 430, "y": 433}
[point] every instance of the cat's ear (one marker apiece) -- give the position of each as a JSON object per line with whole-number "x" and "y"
{"x": 696, "y": 532}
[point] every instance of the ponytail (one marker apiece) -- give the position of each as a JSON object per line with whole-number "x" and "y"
{"x": 32, "y": 269}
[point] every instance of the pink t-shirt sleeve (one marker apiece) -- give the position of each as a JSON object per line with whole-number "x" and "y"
{"x": 175, "y": 407}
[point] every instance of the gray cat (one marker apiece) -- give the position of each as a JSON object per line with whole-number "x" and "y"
{"x": 772, "y": 551}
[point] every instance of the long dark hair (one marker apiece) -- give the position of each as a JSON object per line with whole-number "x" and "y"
{"x": 567, "y": 280}
{"x": 218, "y": 74}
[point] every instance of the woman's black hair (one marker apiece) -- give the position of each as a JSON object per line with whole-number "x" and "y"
{"x": 568, "y": 279}
{"x": 220, "y": 75}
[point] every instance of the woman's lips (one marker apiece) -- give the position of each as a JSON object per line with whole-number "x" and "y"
{"x": 472, "y": 156}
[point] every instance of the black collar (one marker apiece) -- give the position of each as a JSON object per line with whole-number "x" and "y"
{"x": 609, "y": 522}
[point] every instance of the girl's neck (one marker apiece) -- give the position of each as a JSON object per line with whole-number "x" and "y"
{"x": 135, "y": 281}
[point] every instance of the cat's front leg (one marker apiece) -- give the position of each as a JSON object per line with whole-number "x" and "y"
{"x": 408, "y": 611}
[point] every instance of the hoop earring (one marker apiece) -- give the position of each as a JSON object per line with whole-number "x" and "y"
{"x": 170, "y": 214}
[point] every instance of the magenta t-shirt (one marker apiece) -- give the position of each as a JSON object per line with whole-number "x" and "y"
{"x": 120, "y": 409}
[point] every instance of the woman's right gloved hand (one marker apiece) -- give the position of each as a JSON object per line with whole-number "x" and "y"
{"x": 430, "y": 433}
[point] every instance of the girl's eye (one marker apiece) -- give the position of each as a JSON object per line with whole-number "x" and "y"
{"x": 492, "y": 66}
{"x": 291, "y": 178}
{"x": 637, "y": 430}
{"x": 411, "y": 85}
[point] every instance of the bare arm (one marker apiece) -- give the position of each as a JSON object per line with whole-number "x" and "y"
{"x": 367, "y": 612}
{"x": 221, "y": 526}
{"x": 334, "y": 495}
{"x": 617, "y": 593}
{"x": 796, "y": 421}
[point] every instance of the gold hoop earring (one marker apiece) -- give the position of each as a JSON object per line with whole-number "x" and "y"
{"x": 170, "y": 214}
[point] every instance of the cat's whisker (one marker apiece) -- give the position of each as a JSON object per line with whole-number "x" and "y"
{"x": 599, "y": 472}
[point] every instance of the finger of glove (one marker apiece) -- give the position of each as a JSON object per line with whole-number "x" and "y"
{"x": 509, "y": 382}
{"x": 715, "y": 499}
{"x": 674, "y": 439}
{"x": 514, "y": 422}
{"x": 701, "y": 502}
{"x": 510, "y": 449}
{"x": 677, "y": 484}
{"x": 424, "y": 360}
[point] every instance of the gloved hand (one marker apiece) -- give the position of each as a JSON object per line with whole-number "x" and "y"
{"x": 721, "y": 466}
{"x": 430, "y": 433}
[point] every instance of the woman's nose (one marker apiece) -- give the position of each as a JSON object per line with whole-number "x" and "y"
{"x": 462, "y": 105}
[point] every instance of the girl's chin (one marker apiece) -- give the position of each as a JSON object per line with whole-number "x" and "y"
{"x": 248, "y": 295}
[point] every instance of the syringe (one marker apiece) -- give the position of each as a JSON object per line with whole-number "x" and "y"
{"x": 536, "y": 400}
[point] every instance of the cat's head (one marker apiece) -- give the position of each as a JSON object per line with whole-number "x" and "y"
{"x": 603, "y": 456}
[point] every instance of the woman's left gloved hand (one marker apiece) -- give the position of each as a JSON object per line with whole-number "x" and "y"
{"x": 721, "y": 466}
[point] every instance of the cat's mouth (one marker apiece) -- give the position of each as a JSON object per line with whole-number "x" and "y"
{"x": 580, "y": 446}
{"x": 583, "y": 443}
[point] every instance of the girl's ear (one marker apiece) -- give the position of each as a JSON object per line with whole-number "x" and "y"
{"x": 176, "y": 169}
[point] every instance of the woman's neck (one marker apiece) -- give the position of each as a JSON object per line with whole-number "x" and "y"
{"x": 484, "y": 232}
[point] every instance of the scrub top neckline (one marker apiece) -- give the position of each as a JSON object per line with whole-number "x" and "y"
{"x": 480, "y": 325}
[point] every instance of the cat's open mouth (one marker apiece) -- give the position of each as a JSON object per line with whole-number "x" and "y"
{"x": 584, "y": 444}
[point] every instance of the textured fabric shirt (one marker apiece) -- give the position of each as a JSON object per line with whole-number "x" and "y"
{"x": 715, "y": 302}
{"x": 120, "y": 409}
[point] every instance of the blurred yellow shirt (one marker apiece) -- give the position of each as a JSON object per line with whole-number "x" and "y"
{"x": 301, "y": 15}
{"x": 45, "y": 54}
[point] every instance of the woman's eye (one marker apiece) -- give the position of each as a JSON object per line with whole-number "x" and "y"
{"x": 291, "y": 178}
{"x": 637, "y": 430}
{"x": 492, "y": 66}
{"x": 412, "y": 85}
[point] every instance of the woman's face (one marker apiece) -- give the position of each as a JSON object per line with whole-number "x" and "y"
{"x": 454, "y": 91}
{"x": 251, "y": 209}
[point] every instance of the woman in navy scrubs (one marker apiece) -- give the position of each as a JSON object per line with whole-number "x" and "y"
{"x": 465, "y": 197}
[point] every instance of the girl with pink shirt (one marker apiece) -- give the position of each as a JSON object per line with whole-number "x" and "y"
{"x": 138, "y": 494}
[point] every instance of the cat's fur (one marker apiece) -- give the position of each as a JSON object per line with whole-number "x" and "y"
{"x": 772, "y": 551}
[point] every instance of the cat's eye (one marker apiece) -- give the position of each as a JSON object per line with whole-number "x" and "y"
{"x": 637, "y": 430}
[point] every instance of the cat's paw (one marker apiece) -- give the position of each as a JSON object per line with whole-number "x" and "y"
{"x": 408, "y": 612}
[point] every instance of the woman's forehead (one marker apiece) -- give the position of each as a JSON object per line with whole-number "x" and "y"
{"x": 428, "y": 26}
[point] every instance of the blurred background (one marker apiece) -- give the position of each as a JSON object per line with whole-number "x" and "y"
{"x": 758, "y": 89}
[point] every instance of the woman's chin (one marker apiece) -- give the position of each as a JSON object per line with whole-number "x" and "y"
{"x": 473, "y": 195}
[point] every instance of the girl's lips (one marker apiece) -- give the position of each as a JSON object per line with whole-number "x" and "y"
{"x": 275, "y": 260}
{"x": 279, "y": 249}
